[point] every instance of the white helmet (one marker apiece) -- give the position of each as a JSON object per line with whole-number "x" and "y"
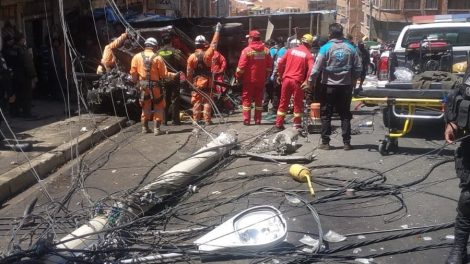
{"x": 294, "y": 43}
{"x": 152, "y": 42}
{"x": 200, "y": 40}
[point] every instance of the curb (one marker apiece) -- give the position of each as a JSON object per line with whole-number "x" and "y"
{"x": 20, "y": 178}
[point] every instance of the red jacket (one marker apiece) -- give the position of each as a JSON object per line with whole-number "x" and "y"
{"x": 255, "y": 63}
{"x": 296, "y": 64}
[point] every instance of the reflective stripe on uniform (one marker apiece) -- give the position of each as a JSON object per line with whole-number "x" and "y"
{"x": 246, "y": 108}
{"x": 259, "y": 108}
{"x": 281, "y": 113}
{"x": 298, "y": 114}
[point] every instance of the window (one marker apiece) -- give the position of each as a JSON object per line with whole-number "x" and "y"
{"x": 8, "y": 12}
{"x": 391, "y": 4}
{"x": 459, "y": 4}
{"x": 456, "y": 36}
{"x": 431, "y": 4}
{"x": 412, "y": 4}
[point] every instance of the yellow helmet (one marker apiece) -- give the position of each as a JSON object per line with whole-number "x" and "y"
{"x": 308, "y": 38}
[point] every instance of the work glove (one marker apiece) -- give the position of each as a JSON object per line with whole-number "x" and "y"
{"x": 218, "y": 27}
{"x": 278, "y": 80}
{"x": 177, "y": 76}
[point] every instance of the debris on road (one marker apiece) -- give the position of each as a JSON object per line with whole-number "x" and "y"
{"x": 333, "y": 237}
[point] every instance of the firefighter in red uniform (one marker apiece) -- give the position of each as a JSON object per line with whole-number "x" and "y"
{"x": 253, "y": 69}
{"x": 219, "y": 64}
{"x": 200, "y": 75}
{"x": 294, "y": 69}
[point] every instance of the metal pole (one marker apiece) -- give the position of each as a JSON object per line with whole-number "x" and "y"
{"x": 290, "y": 25}
{"x": 318, "y": 24}
{"x": 250, "y": 26}
{"x": 370, "y": 20}
{"x": 311, "y": 23}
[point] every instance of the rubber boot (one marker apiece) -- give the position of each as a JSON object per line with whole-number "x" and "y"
{"x": 458, "y": 253}
{"x": 246, "y": 117}
{"x": 280, "y": 121}
{"x": 145, "y": 127}
{"x": 258, "y": 114}
{"x": 156, "y": 128}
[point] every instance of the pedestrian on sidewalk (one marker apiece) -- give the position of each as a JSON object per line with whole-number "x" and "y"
{"x": 148, "y": 69}
{"x": 25, "y": 79}
{"x": 6, "y": 76}
{"x": 200, "y": 75}
{"x": 294, "y": 69}
{"x": 340, "y": 66}
{"x": 254, "y": 67}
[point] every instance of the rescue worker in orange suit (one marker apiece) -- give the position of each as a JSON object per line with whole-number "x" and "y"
{"x": 293, "y": 70}
{"x": 200, "y": 75}
{"x": 148, "y": 69}
{"x": 219, "y": 64}
{"x": 108, "y": 61}
{"x": 254, "y": 67}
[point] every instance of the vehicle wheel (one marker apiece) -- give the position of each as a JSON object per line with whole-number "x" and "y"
{"x": 392, "y": 145}
{"x": 383, "y": 147}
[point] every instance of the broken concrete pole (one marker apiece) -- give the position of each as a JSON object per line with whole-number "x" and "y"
{"x": 173, "y": 180}
{"x": 285, "y": 141}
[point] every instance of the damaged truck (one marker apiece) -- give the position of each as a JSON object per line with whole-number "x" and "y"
{"x": 112, "y": 93}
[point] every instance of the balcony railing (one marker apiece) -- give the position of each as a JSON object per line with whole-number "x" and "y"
{"x": 394, "y": 5}
{"x": 431, "y": 5}
{"x": 459, "y": 5}
{"x": 389, "y": 4}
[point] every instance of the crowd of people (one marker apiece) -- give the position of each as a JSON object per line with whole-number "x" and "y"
{"x": 29, "y": 73}
{"x": 23, "y": 77}
{"x": 271, "y": 73}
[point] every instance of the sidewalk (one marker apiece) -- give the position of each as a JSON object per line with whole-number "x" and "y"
{"x": 52, "y": 136}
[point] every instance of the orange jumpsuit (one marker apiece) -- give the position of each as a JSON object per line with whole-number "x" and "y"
{"x": 108, "y": 60}
{"x": 201, "y": 78}
{"x": 254, "y": 68}
{"x": 158, "y": 71}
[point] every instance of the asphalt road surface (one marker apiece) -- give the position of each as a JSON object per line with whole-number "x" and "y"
{"x": 393, "y": 193}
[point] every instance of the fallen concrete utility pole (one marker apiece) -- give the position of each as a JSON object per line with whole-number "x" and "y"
{"x": 175, "y": 179}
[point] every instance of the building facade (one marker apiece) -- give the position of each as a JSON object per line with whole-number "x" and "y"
{"x": 384, "y": 19}
{"x": 350, "y": 16}
{"x": 317, "y": 5}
